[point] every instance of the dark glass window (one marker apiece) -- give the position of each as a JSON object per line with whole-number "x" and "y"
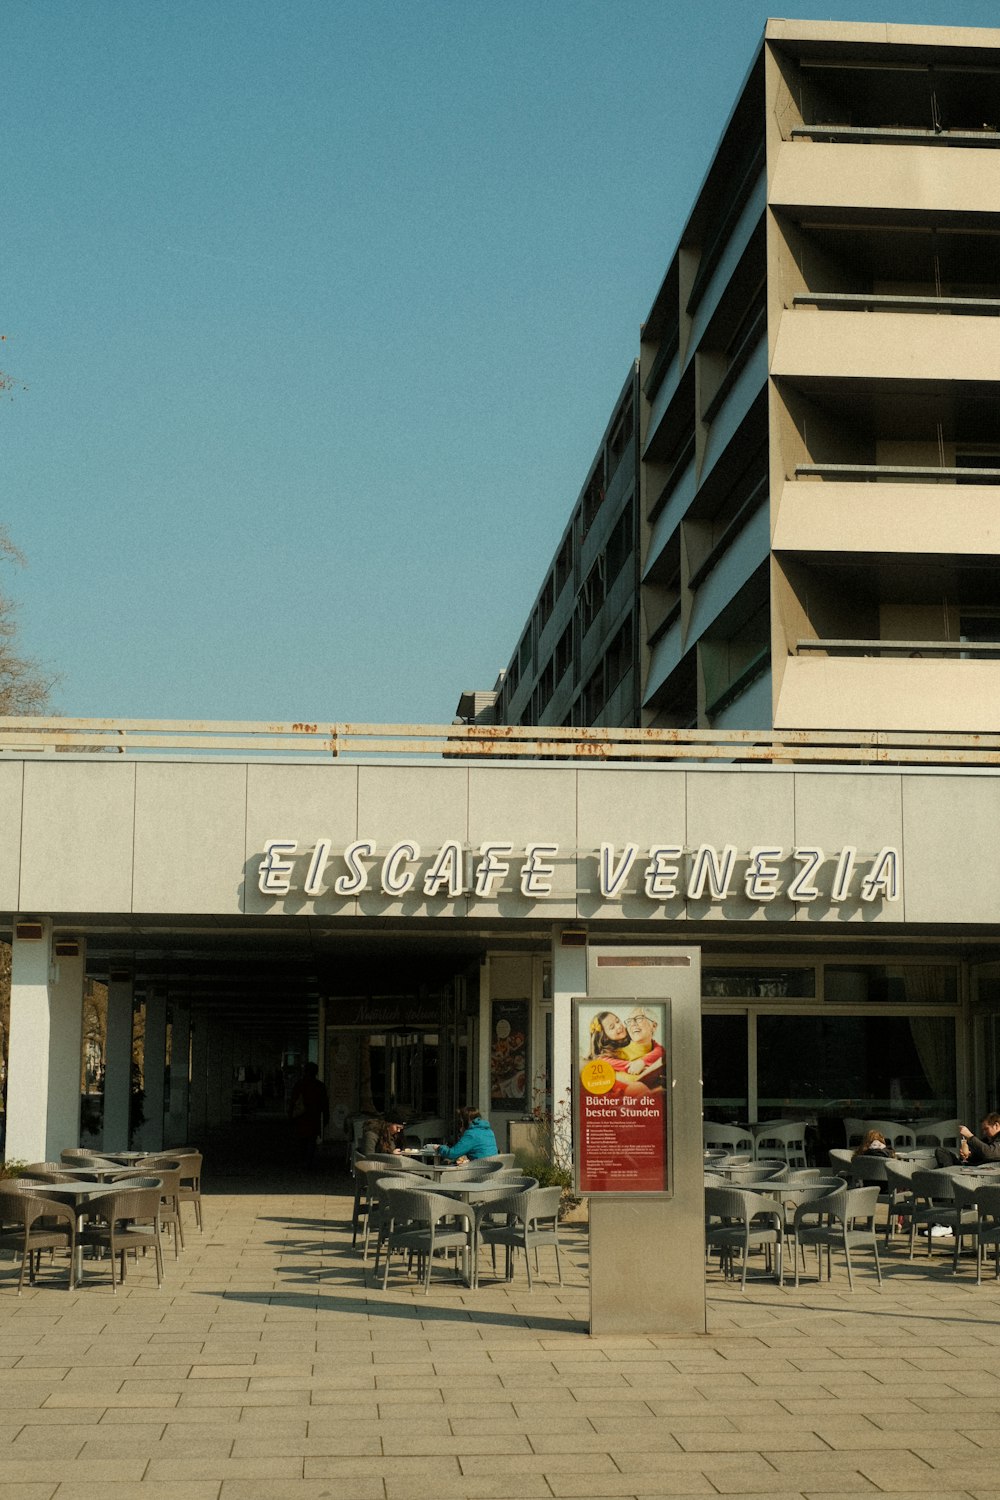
{"x": 724, "y": 1067}
{"x": 881, "y": 1067}
{"x": 758, "y": 984}
{"x": 895, "y": 984}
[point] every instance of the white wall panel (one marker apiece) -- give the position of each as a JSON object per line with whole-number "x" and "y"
{"x": 833, "y": 810}
{"x": 522, "y": 806}
{"x": 190, "y": 829}
{"x": 304, "y": 804}
{"x": 77, "y": 836}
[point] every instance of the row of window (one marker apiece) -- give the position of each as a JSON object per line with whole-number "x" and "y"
{"x": 603, "y": 682}
{"x": 607, "y": 566}
{"x": 619, "y": 446}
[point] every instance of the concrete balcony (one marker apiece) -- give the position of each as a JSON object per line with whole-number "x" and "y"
{"x": 836, "y": 345}
{"x": 812, "y": 174}
{"x": 919, "y": 694}
{"x": 831, "y": 516}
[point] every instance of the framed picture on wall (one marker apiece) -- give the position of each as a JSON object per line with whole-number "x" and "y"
{"x": 509, "y": 1055}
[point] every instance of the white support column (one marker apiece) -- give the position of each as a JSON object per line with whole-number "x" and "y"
{"x": 118, "y": 1063}
{"x": 569, "y": 979}
{"x": 46, "y": 1031}
{"x": 153, "y": 1069}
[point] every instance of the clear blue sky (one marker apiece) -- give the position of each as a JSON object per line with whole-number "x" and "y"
{"x": 321, "y": 307}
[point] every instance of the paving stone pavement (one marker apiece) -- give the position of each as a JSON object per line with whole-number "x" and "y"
{"x": 266, "y": 1369}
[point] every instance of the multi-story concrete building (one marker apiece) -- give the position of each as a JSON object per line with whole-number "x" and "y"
{"x": 819, "y": 405}
{"x": 577, "y": 661}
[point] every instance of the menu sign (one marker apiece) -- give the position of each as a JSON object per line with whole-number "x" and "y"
{"x": 621, "y": 1079}
{"x": 509, "y": 1055}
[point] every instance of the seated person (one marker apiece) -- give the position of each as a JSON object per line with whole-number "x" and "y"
{"x": 477, "y": 1138}
{"x": 978, "y": 1149}
{"x": 873, "y": 1144}
{"x": 381, "y": 1136}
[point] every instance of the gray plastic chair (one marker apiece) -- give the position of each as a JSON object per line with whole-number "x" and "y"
{"x": 844, "y": 1220}
{"x": 988, "y": 1231}
{"x": 786, "y": 1138}
{"x": 131, "y": 1221}
{"x": 31, "y": 1224}
{"x": 899, "y": 1201}
{"x": 530, "y": 1222}
{"x": 746, "y": 1221}
{"x": 422, "y": 1223}
{"x": 729, "y": 1137}
{"x": 934, "y": 1203}
{"x": 191, "y": 1164}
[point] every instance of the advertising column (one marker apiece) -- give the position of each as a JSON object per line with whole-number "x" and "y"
{"x": 637, "y": 1138}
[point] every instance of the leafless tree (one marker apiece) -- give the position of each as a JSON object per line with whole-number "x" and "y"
{"x": 25, "y": 685}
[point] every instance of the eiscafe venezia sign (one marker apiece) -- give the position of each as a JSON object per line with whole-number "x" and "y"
{"x": 661, "y": 872}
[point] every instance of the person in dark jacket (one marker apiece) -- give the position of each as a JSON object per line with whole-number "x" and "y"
{"x": 477, "y": 1138}
{"x": 309, "y": 1110}
{"x": 977, "y": 1149}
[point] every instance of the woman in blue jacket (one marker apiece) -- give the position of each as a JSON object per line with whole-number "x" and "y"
{"x": 477, "y": 1138}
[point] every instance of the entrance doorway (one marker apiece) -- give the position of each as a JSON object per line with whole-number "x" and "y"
{"x": 408, "y": 1056}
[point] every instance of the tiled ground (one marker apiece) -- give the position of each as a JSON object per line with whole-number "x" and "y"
{"x": 265, "y": 1369}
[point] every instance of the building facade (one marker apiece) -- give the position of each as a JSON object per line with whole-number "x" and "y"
{"x": 420, "y": 929}
{"x": 819, "y": 400}
{"x": 577, "y": 659}
{"x": 777, "y": 592}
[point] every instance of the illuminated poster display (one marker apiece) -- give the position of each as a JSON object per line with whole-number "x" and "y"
{"x": 621, "y": 1085}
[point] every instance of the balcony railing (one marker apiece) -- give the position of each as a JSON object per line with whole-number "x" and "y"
{"x": 897, "y": 302}
{"x": 908, "y": 135}
{"x": 206, "y": 740}
{"x": 935, "y": 473}
{"x": 985, "y": 650}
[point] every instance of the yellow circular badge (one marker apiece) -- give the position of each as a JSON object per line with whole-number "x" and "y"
{"x": 597, "y": 1076}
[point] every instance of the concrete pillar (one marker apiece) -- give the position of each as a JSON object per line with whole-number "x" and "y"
{"x": 118, "y": 1063}
{"x": 481, "y": 1095}
{"x": 220, "y": 1077}
{"x": 176, "y": 1127}
{"x": 569, "y": 982}
{"x": 46, "y": 1032}
{"x": 153, "y": 1070}
{"x": 198, "y": 1098}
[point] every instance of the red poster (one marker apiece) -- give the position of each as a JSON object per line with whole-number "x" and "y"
{"x": 621, "y": 1113}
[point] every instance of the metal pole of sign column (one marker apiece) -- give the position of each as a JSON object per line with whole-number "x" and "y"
{"x": 637, "y": 1115}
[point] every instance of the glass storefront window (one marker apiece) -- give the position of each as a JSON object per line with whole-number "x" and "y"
{"x": 893, "y": 984}
{"x": 887, "y": 1066}
{"x": 777, "y": 983}
{"x": 724, "y": 1067}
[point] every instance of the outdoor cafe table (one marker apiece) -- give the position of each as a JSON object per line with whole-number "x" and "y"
{"x": 466, "y": 1192}
{"x": 786, "y": 1192}
{"x": 127, "y": 1158}
{"x": 78, "y": 1196}
{"x": 111, "y": 1171}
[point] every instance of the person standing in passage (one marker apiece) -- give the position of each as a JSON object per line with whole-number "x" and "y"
{"x": 309, "y": 1110}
